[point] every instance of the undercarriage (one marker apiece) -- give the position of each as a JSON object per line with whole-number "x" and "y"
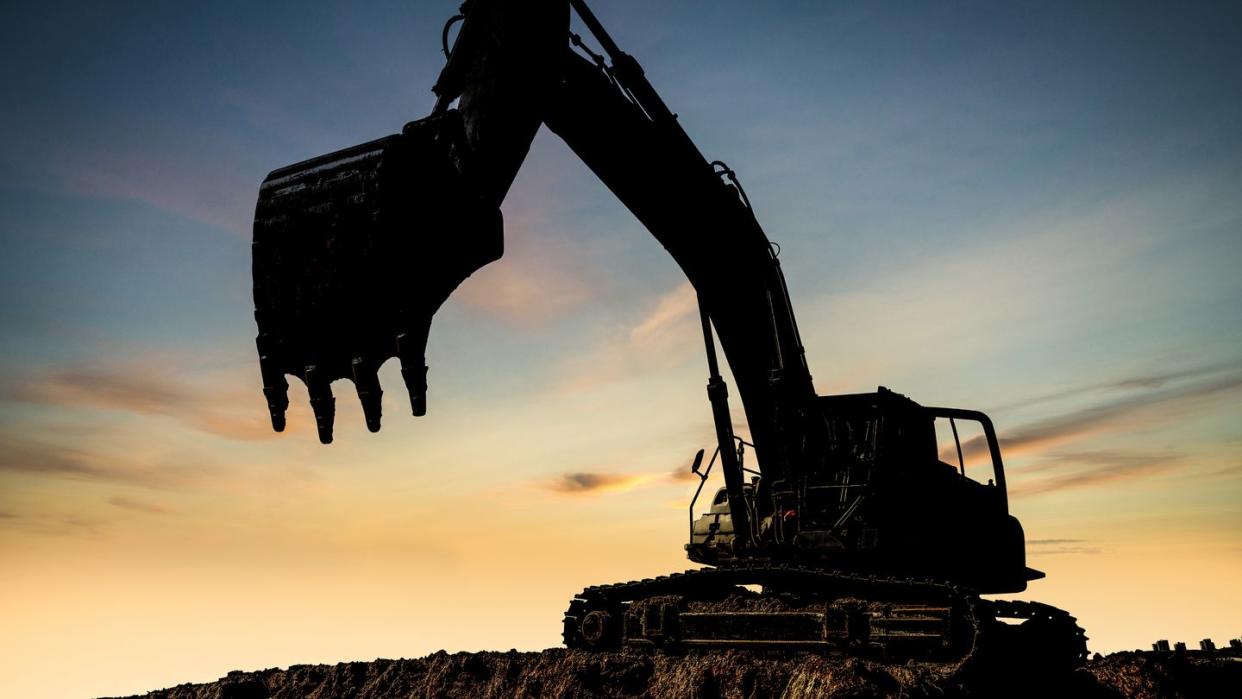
{"x": 808, "y": 609}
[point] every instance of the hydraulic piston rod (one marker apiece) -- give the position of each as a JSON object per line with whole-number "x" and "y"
{"x": 718, "y": 395}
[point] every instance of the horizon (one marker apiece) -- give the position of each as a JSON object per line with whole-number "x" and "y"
{"x": 1033, "y": 211}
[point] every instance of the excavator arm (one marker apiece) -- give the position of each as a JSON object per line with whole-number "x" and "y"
{"x": 617, "y": 124}
{"x": 355, "y": 251}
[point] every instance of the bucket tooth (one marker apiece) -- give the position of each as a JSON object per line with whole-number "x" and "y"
{"x": 276, "y": 390}
{"x": 277, "y": 403}
{"x": 366, "y": 380}
{"x": 411, "y": 349}
{"x": 322, "y": 403}
{"x": 415, "y": 375}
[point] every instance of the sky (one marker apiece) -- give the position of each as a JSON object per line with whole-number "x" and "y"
{"x": 1030, "y": 209}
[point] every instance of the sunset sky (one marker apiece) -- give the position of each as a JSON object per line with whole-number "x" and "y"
{"x": 1033, "y": 210}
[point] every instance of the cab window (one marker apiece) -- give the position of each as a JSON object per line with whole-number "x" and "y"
{"x": 963, "y": 444}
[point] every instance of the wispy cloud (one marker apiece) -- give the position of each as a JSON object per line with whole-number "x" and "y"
{"x": 148, "y": 391}
{"x": 587, "y": 483}
{"x": 57, "y": 524}
{"x": 215, "y": 192}
{"x": 1073, "y": 471}
{"x": 156, "y": 470}
{"x": 1231, "y": 470}
{"x": 1139, "y": 409}
{"x": 594, "y": 483}
{"x": 1172, "y": 404}
{"x": 683, "y": 475}
{"x": 667, "y": 320}
{"x": 1036, "y": 272}
{"x": 1153, "y": 380}
{"x": 544, "y": 274}
{"x": 527, "y": 289}
{"x": 126, "y": 503}
{"x": 663, "y": 336}
{"x": 31, "y": 457}
{"x": 1056, "y": 547}
{"x": 1150, "y": 403}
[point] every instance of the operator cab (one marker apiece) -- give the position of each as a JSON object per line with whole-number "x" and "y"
{"x": 885, "y": 485}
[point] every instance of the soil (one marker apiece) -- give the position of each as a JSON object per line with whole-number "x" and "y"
{"x": 572, "y": 674}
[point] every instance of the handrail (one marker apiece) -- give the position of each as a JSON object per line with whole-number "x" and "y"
{"x": 702, "y": 481}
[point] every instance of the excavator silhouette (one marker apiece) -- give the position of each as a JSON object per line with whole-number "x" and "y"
{"x": 851, "y": 535}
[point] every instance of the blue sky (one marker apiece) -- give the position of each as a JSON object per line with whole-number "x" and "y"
{"x": 1034, "y": 209}
{"x": 893, "y": 131}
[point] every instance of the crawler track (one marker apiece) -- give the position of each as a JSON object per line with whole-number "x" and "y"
{"x": 813, "y": 609}
{"x": 1042, "y": 632}
{"x": 801, "y": 608}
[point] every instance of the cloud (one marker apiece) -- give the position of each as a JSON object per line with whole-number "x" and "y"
{"x": 148, "y": 391}
{"x": 1232, "y": 470}
{"x": 586, "y": 483}
{"x": 1092, "y": 469}
{"x": 1146, "y": 381}
{"x": 667, "y": 320}
{"x": 137, "y": 505}
{"x": 543, "y": 276}
{"x": 132, "y": 391}
{"x": 213, "y": 191}
{"x": 1152, "y": 402}
{"x": 31, "y": 457}
{"x": 54, "y": 524}
{"x": 904, "y": 308}
{"x": 663, "y": 336}
{"x": 1121, "y": 414}
{"x": 167, "y": 470}
{"x": 1056, "y": 547}
{"x": 73, "y": 525}
{"x": 527, "y": 289}
{"x": 684, "y": 475}
{"x": 592, "y": 483}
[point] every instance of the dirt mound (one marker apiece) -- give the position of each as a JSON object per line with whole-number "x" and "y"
{"x": 571, "y": 674}
{"x": 1147, "y": 675}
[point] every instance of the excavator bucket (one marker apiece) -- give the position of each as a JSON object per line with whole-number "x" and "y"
{"x": 353, "y": 253}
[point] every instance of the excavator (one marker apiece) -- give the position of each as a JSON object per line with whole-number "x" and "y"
{"x": 847, "y": 533}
